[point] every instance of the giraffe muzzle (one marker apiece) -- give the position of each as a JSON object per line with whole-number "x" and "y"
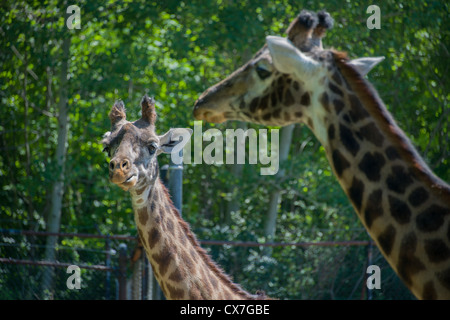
{"x": 120, "y": 173}
{"x": 201, "y": 113}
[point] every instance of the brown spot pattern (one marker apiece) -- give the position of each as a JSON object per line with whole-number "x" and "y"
{"x": 386, "y": 239}
{"x": 141, "y": 236}
{"x": 287, "y": 116}
{"x": 409, "y": 264}
{"x": 305, "y": 99}
{"x": 140, "y": 191}
{"x": 399, "y": 210}
{"x": 195, "y": 294}
{"x": 153, "y": 237}
{"x": 371, "y": 133}
{"x": 391, "y": 153}
{"x": 336, "y": 78}
{"x": 331, "y": 132}
{"x": 432, "y": 218}
{"x": 253, "y": 104}
{"x": 429, "y": 292}
{"x": 273, "y": 98}
{"x": 444, "y": 278}
{"x": 357, "y": 111}
{"x": 276, "y": 113}
{"x": 374, "y": 208}
{"x": 437, "y": 250}
{"x": 163, "y": 260}
{"x": 348, "y": 140}
{"x": 176, "y": 275}
{"x": 174, "y": 293}
{"x": 371, "y": 164}
{"x": 338, "y": 105}
{"x": 288, "y": 98}
{"x": 418, "y": 196}
{"x": 335, "y": 89}
{"x": 298, "y": 114}
{"x": 143, "y": 216}
{"x": 356, "y": 192}
{"x": 325, "y": 101}
{"x": 399, "y": 179}
{"x": 339, "y": 162}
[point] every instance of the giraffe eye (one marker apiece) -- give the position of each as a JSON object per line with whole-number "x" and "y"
{"x": 263, "y": 73}
{"x": 152, "y": 148}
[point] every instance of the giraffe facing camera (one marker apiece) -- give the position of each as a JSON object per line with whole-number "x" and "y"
{"x": 183, "y": 269}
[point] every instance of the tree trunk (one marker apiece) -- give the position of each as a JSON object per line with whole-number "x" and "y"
{"x": 54, "y": 219}
{"x": 236, "y": 169}
{"x": 274, "y": 199}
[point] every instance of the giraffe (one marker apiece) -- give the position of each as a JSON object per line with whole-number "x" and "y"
{"x": 183, "y": 269}
{"x": 402, "y": 204}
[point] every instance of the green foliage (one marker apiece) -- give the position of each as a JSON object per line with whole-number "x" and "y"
{"x": 173, "y": 51}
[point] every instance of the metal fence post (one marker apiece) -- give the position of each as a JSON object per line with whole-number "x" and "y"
{"x": 176, "y": 183}
{"x": 108, "y": 264}
{"x": 163, "y": 171}
{"x": 369, "y": 262}
{"x": 122, "y": 277}
{"x": 366, "y": 293}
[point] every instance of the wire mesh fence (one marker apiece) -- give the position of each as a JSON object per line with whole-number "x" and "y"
{"x": 26, "y": 274}
{"x": 115, "y": 267}
{"x": 23, "y": 280}
{"x": 326, "y": 270}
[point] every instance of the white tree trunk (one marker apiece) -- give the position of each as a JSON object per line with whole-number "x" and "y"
{"x": 54, "y": 219}
{"x": 236, "y": 169}
{"x": 274, "y": 199}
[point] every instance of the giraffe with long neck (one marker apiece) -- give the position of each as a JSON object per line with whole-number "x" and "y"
{"x": 402, "y": 204}
{"x": 183, "y": 269}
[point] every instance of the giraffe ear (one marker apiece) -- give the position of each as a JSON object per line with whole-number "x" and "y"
{"x": 288, "y": 59}
{"x": 364, "y": 65}
{"x": 117, "y": 113}
{"x": 174, "y": 140}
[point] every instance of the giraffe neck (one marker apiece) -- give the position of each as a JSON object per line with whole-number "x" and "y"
{"x": 181, "y": 266}
{"x": 402, "y": 204}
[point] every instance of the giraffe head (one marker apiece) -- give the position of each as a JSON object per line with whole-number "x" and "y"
{"x": 285, "y": 80}
{"x": 134, "y": 146}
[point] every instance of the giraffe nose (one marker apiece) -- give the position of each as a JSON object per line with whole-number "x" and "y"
{"x": 198, "y": 113}
{"x": 122, "y": 164}
{"x": 119, "y": 169}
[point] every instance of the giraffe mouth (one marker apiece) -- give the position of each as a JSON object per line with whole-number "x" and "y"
{"x": 129, "y": 182}
{"x": 209, "y": 115}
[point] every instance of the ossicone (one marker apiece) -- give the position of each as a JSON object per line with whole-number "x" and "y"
{"x": 307, "y": 30}
{"x": 117, "y": 113}
{"x": 148, "y": 110}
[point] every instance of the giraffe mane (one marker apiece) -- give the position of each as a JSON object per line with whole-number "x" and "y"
{"x": 376, "y": 108}
{"x": 218, "y": 271}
